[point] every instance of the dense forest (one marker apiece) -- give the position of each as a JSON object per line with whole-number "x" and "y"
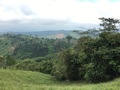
{"x": 94, "y": 57}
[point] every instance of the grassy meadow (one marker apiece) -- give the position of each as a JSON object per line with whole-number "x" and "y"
{"x": 28, "y": 80}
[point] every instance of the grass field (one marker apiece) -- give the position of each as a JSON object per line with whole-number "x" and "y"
{"x": 27, "y": 80}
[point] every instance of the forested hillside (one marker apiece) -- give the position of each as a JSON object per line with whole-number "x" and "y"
{"x": 24, "y": 46}
{"x": 94, "y": 57}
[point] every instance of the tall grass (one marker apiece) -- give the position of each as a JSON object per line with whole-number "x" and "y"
{"x": 27, "y": 80}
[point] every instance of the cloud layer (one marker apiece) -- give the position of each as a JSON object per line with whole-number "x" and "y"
{"x": 47, "y": 11}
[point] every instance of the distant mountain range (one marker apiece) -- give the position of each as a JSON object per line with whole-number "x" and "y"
{"x": 60, "y": 30}
{"x": 48, "y": 34}
{"x": 42, "y": 25}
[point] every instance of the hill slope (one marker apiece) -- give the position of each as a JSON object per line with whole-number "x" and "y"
{"x": 27, "y": 80}
{"x": 23, "y": 46}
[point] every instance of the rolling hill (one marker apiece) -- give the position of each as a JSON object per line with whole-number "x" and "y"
{"x": 27, "y": 80}
{"x": 47, "y": 34}
{"x": 24, "y": 46}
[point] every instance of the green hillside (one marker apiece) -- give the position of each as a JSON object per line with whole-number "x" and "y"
{"x": 27, "y": 80}
{"x": 4, "y": 45}
{"x": 23, "y": 46}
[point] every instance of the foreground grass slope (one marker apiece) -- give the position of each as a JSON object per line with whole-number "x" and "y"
{"x": 27, "y": 80}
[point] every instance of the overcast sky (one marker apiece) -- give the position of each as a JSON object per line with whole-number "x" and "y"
{"x": 29, "y": 15}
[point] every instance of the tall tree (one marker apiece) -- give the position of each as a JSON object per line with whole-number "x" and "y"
{"x": 69, "y": 38}
{"x": 1, "y": 61}
{"x": 9, "y": 60}
{"x": 71, "y": 61}
{"x": 109, "y": 24}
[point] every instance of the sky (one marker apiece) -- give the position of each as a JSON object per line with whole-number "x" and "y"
{"x": 35, "y": 15}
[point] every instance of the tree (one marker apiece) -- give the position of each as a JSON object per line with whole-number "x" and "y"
{"x": 71, "y": 61}
{"x": 9, "y": 60}
{"x": 69, "y": 38}
{"x": 102, "y": 62}
{"x": 1, "y": 61}
{"x": 109, "y": 24}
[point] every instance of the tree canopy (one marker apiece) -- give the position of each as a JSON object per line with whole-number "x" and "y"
{"x": 109, "y": 24}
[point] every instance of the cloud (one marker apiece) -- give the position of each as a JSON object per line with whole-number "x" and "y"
{"x": 26, "y": 10}
{"x": 53, "y": 12}
{"x": 47, "y": 9}
{"x": 88, "y": 1}
{"x": 37, "y": 25}
{"x": 114, "y": 0}
{"x": 41, "y": 25}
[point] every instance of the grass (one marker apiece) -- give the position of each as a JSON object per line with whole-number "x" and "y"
{"x": 27, "y": 80}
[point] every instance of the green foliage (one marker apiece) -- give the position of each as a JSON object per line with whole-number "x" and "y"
{"x": 60, "y": 45}
{"x": 95, "y": 73}
{"x": 2, "y": 61}
{"x": 68, "y": 66}
{"x": 69, "y": 38}
{"x": 70, "y": 58}
{"x": 90, "y": 32}
{"x": 44, "y": 66}
{"x": 27, "y": 64}
{"x": 104, "y": 54}
{"x": 9, "y": 61}
{"x": 93, "y": 59}
{"x": 23, "y": 46}
{"x": 59, "y": 69}
{"x": 109, "y": 24}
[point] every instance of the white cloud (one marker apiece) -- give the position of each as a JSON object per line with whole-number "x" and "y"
{"x": 66, "y": 10}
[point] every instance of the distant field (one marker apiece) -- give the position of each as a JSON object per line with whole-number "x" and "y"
{"x": 27, "y": 80}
